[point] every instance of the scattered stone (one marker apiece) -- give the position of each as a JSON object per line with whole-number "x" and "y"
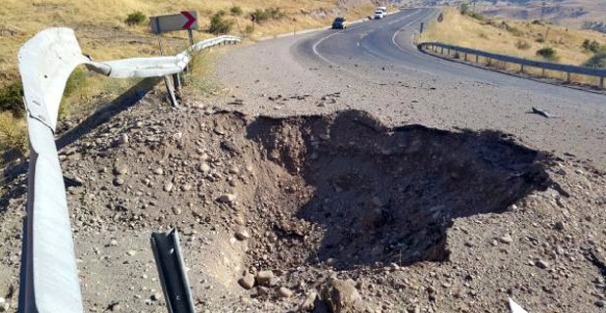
{"x": 599, "y": 303}
{"x": 120, "y": 169}
{"x": 186, "y": 187}
{"x": 542, "y": 264}
{"x": 248, "y": 281}
{"x": 113, "y": 243}
{"x": 155, "y": 296}
{"x": 264, "y": 277}
{"x": 341, "y": 296}
{"x": 242, "y": 234}
{"x": 159, "y": 171}
{"x": 131, "y": 252}
{"x": 506, "y": 239}
{"x": 204, "y": 168}
{"x": 168, "y": 187}
{"x": 119, "y": 181}
{"x": 123, "y": 139}
{"x": 284, "y": 292}
{"x": 176, "y": 210}
{"x": 309, "y": 302}
{"x": 227, "y": 198}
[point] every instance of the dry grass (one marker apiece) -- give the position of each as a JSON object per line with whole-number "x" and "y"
{"x": 102, "y": 33}
{"x": 465, "y": 31}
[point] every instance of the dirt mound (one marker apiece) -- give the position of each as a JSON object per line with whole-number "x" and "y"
{"x": 273, "y": 211}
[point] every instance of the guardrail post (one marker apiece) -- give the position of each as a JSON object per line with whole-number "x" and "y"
{"x": 448, "y": 51}
{"x": 567, "y": 77}
{"x": 477, "y": 58}
{"x": 543, "y": 72}
{"x": 601, "y": 82}
{"x": 441, "y": 50}
{"x": 465, "y": 56}
{"x": 522, "y": 68}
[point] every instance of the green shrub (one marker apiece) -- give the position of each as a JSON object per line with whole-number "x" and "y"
{"x": 136, "y": 18}
{"x": 236, "y": 11}
{"x": 269, "y": 14}
{"x": 219, "y": 25}
{"x": 11, "y": 99}
{"x": 522, "y": 45}
{"x": 537, "y": 22}
{"x": 477, "y": 16}
{"x": 597, "y": 61}
{"x": 464, "y": 8}
{"x": 592, "y": 45}
{"x": 548, "y": 53}
{"x": 249, "y": 29}
{"x": 540, "y": 39}
{"x": 513, "y": 30}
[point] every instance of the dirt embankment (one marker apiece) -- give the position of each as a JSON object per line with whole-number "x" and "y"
{"x": 335, "y": 212}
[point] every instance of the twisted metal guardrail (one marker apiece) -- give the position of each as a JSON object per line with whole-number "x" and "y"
{"x": 49, "y": 277}
{"x": 442, "y": 48}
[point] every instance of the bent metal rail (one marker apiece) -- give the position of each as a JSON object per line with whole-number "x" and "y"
{"x": 441, "y": 48}
{"x": 49, "y": 277}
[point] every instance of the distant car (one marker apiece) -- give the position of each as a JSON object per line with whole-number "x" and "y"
{"x": 379, "y": 15}
{"x": 339, "y": 23}
{"x": 384, "y": 9}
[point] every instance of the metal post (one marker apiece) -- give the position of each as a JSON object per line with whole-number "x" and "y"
{"x": 602, "y": 82}
{"x": 567, "y": 77}
{"x": 543, "y": 72}
{"x": 441, "y": 50}
{"x": 477, "y": 59}
{"x": 521, "y": 68}
{"x": 465, "y": 56}
{"x": 177, "y": 81}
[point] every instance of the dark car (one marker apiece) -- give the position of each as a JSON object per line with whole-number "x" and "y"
{"x": 339, "y": 23}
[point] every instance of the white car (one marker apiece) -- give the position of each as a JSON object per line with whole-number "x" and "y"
{"x": 379, "y": 15}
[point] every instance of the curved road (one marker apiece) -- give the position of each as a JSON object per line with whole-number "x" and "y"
{"x": 374, "y": 66}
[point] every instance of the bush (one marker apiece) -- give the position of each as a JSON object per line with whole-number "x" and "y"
{"x": 236, "y": 11}
{"x": 592, "y": 46}
{"x": 522, "y": 45}
{"x": 464, "y": 8}
{"x": 537, "y": 22}
{"x": 513, "y": 30}
{"x": 219, "y": 25}
{"x": 11, "y": 99}
{"x": 540, "y": 39}
{"x": 136, "y": 18}
{"x": 477, "y": 16}
{"x": 597, "y": 61}
{"x": 269, "y": 14}
{"x": 249, "y": 29}
{"x": 547, "y": 53}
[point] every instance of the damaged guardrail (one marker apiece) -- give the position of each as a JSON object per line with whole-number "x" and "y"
{"x": 49, "y": 276}
{"x": 442, "y": 48}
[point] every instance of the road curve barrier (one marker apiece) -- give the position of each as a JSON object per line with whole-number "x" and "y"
{"x": 465, "y": 53}
{"x": 49, "y": 276}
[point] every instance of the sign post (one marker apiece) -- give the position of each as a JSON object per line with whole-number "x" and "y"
{"x": 421, "y": 30}
{"x": 186, "y": 20}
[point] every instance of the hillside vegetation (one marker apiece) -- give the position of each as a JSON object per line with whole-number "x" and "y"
{"x": 112, "y": 29}
{"x": 528, "y": 39}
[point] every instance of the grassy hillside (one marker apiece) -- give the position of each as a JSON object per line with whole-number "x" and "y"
{"x": 104, "y": 34}
{"x": 518, "y": 38}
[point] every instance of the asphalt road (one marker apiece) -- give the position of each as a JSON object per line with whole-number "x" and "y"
{"x": 374, "y": 66}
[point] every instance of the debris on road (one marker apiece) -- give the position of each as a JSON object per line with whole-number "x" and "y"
{"x": 540, "y": 112}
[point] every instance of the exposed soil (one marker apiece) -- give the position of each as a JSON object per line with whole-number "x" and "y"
{"x": 329, "y": 212}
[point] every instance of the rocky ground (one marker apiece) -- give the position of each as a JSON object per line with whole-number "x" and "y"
{"x": 325, "y": 213}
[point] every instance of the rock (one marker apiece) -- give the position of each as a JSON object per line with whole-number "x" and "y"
{"x": 248, "y": 281}
{"x": 4, "y": 305}
{"x": 599, "y": 304}
{"x": 242, "y": 234}
{"x": 176, "y": 210}
{"x": 542, "y": 264}
{"x": 120, "y": 169}
{"x": 119, "y": 181}
{"x": 284, "y": 292}
{"x": 264, "y": 277}
{"x": 155, "y": 296}
{"x": 186, "y": 187}
{"x": 506, "y": 239}
{"x": 227, "y": 198}
{"x": 309, "y": 302}
{"x": 341, "y": 296}
{"x": 123, "y": 139}
{"x": 168, "y": 187}
{"x": 113, "y": 242}
{"x": 559, "y": 226}
{"x": 204, "y": 168}
{"x": 158, "y": 171}
{"x": 131, "y": 252}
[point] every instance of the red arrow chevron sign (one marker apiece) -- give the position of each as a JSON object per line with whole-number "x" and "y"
{"x": 174, "y": 22}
